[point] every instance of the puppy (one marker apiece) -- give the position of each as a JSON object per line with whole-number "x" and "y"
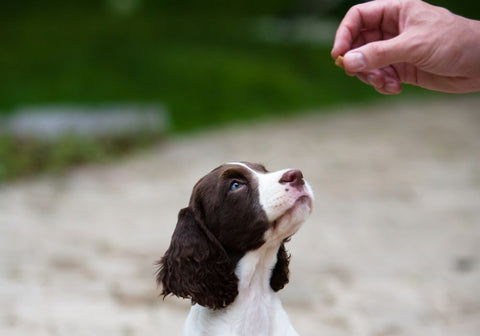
{"x": 227, "y": 253}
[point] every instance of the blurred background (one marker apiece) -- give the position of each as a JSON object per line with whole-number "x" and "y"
{"x": 200, "y": 64}
{"x": 111, "y": 110}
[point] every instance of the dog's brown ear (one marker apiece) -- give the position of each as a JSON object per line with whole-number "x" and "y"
{"x": 280, "y": 273}
{"x": 196, "y": 266}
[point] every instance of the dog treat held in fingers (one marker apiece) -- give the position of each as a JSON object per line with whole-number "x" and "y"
{"x": 227, "y": 253}
{"x": 339, "y": 62}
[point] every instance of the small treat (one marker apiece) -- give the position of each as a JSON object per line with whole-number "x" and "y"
{"x": 339, "y": 62}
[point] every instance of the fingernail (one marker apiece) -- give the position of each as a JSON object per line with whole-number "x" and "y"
{"x": 371, "y": 80}
{"x": 392, "y": 86}
{"x": 354, "y": 61}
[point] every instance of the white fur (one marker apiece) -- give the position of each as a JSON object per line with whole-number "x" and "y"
{"x": 257, "y": 310}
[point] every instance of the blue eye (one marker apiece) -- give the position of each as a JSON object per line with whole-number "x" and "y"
{"x": 235, "y": 185}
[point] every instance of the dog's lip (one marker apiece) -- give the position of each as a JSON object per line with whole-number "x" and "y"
{"x": 302, "y": 199}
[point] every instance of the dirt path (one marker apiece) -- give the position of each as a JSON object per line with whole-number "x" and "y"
{"x": 392, "y": 248}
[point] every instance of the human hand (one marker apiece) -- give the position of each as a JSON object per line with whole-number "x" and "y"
{"x": 389, "y": 42}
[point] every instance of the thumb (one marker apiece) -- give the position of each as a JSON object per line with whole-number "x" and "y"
{"x": 376, "y": 55}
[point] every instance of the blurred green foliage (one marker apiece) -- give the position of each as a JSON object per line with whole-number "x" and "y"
{"x": 205, "y": 67}
{"x": 203, "y": 60}
{"x": 470, "y": 9}
{"x": 28, "y": 157}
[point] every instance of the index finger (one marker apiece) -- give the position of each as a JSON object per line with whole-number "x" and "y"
{"x": 359, "y": 18}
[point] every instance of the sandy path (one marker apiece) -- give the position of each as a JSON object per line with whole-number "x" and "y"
{"x": 392, "y": 248}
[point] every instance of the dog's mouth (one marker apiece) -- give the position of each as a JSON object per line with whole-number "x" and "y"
{"x": 303, "y": 200}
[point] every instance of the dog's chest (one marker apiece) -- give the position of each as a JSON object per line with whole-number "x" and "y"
{"x": 253, "y": 312}
{"x": 249, "y": 316}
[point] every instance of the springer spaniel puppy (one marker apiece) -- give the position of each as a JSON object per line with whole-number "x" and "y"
{"x": 227, "y": 252}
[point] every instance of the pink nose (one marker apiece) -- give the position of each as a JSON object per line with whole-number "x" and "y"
{"x": 293, "y": 177}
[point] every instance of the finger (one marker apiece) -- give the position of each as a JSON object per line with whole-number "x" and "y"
{"x": 378, "y": 77}
{"x": 391, "y": 87}
{"x": 342, "y": 42}
{"x": 363, "y": 17}
{"x": 376, "y": 55}
{"x": 369, "y": 36}
{"x": 381, "y": 80}
{"x": 364, "y": 77}
{"x": 375, "y": 78}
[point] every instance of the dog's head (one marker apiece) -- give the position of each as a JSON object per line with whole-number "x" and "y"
{"x": 236, "y": 208}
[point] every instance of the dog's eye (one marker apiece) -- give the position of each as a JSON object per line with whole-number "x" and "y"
{"x": 236, "y": 185}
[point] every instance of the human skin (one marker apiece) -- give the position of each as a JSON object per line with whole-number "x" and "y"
{"x": 389, "y": 42}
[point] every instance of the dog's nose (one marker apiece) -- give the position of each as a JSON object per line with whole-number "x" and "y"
{"x": 293, "y": 177}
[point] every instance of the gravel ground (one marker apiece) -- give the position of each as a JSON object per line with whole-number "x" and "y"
{"x": 392, "y": 247}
